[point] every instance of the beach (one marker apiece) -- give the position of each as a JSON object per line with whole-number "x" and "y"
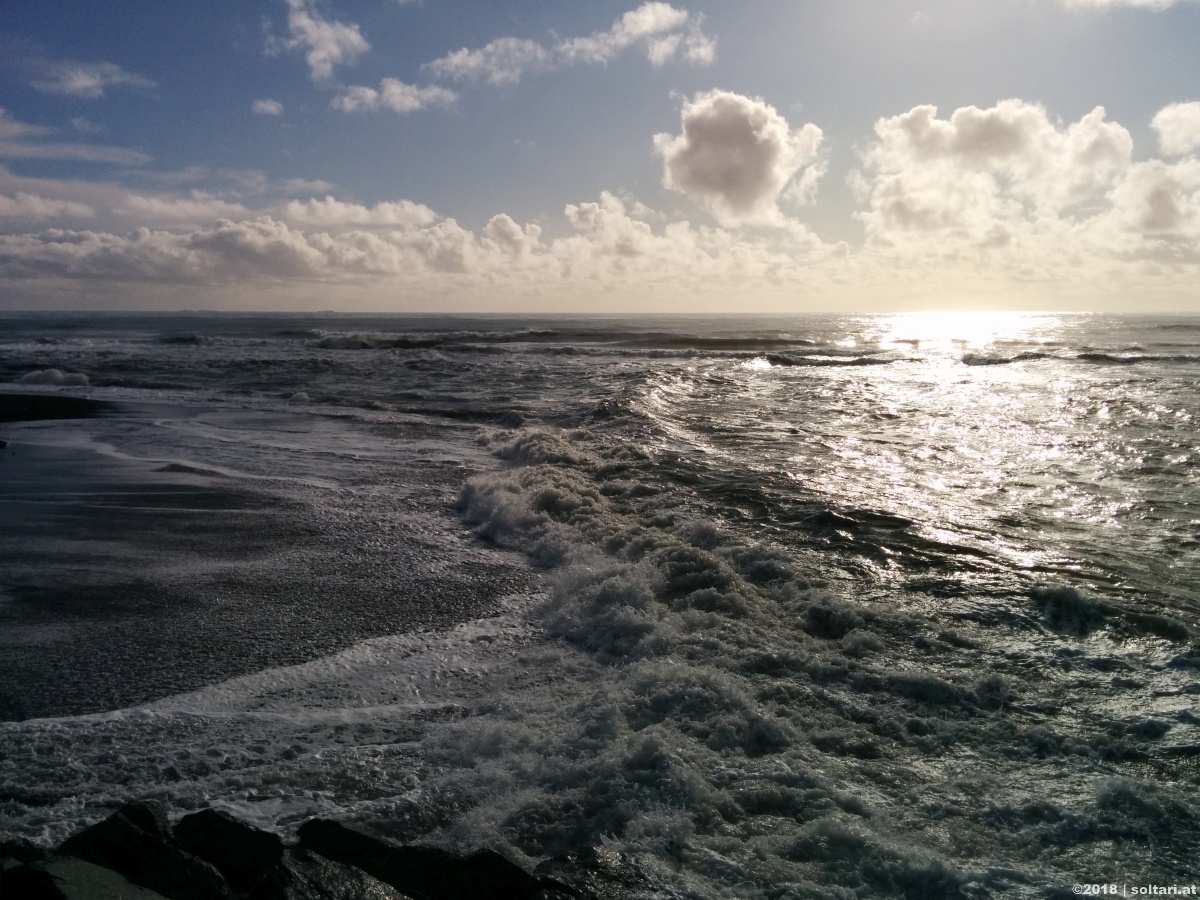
{"x": 128, "y": 579}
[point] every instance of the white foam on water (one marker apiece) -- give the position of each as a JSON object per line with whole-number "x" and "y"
{"x": 684, "y": 696}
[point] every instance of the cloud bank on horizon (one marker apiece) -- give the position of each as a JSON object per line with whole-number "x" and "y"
{"x": 700, "y": 181}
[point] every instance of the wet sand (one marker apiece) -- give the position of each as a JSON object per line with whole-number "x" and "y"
{"x": 123, "y": 580}
{"x": 35, "y": 407}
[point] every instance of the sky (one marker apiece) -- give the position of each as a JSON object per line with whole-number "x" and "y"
{"x": 775, "y": 156}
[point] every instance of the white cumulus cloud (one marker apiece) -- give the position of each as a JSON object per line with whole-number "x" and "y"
{"x": 1178, "y": 128}
{"x": 1155, "y": 213}
{"x": 662, "y": 30}
{"x": 325, "y": 43}
{"x": 332, "y": 212}
{"x": 502, "y": 61}
{"x": 736, "y": 154}
{"x": 982, "y": 173}
{"x": 393, "y": 95}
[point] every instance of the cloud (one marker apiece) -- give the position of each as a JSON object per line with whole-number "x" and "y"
{"x": 394, "y": 95}
{"x": 1155, "y": 213}
{"x": 331, "y": 212}
{"x": 647, "y": 21}
{"x": 502, "y": 231}
{"x": 14, "y": 144}
{"x": 87, "y": 80}
{"x": 982, "y": 173}
{"x": 1011, "y": 194}
{"x": 31, "y": 206}
{"x": 665, "y": 32}
{"x": 1178, "y": 128}
{"x": 267, "y": 107}
{"x": 11, "y": 128}
{"x": 196, "y": 207}
{"x": 735, "y": 155}
{"x": 326, "y": 44}
{"x": 80, "y": 152}
{"x": 230, "y": 252}
{"x": 85, "y": 126}
{"x": 420, "y": 251}
{"x": 503, "y": 61}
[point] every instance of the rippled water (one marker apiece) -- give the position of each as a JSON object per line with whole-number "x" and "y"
{"x": 884, "y": 605}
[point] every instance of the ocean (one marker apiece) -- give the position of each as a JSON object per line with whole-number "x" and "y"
{"x": 821, "y": 606}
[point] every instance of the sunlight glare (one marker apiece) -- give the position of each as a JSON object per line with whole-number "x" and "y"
{"x": 964, "y": 329}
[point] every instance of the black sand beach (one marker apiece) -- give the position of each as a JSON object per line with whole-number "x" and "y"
{"x": 34, "y": 407}
{"x": 125, "y": 580}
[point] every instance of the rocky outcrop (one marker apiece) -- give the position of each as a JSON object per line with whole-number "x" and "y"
{"x": 242, "y": 854}
{"x": 302, "y": 875}
{"x": 595, "y": 874}
{"x": 423, "y": 872}
{"x": 68, "y": 878}
{"x": 137, "y": 842}
{"x": 134, "y": 854}
{"x": 22, "y": 851}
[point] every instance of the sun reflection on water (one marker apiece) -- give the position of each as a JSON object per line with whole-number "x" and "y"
{"x": 965, "y": 329}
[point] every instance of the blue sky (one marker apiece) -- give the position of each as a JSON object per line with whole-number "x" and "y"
{"x": 441, "y": 155}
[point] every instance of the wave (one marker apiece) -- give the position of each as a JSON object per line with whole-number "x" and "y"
{"x": 1097, "y": 357}
{"x": 601, "y": 339}
{"x": 1131, "y": 359}
{"x": 982, "y": 359}
{"x": 762, "y": 700}
{"x": 781, "y": 359}
{"x": 376, "y": 342}
{"x": 669, "y": 341}
{"x": 55, "y": 377}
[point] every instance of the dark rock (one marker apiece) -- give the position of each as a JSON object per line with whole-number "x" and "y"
{"x": 68, "y": 878}
{"x": 302, "y": 875}
{"x": 243, "y": 854}
{"x": 8, "y": 864}
{"x": 137, "y": 842}
{"x": 595, "y": 874}
{"x": 22, "y": 851}
{"x": 426, "y": 873}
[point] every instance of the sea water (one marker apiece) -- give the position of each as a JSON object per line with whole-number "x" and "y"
{"x": 892, "y": 605}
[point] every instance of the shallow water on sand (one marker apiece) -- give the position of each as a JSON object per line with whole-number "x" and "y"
{"x": 830, "y": 606}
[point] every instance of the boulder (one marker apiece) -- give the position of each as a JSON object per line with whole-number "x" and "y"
{"x": 22, "y": 851}
{"x": 302, "y": 875}
{"x": 68, "y": 878}
{"x": 596, "y": 874}
{"x": 137, "y": 842}
{"x": 426, "y": 873}
{"x": 244, "y": 855}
